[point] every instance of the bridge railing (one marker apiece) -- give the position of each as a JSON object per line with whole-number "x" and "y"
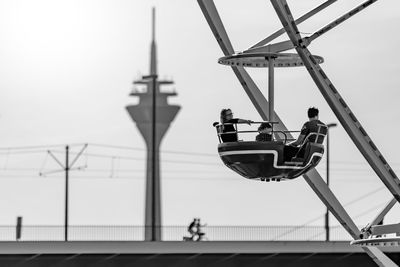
{"x": 172, "y": 233}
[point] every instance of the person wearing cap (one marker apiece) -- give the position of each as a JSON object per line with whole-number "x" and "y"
{"x": 265, "y": 132}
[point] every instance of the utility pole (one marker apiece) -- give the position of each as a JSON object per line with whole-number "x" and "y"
{"x": 66, "y": 192}
{"x": 65, "y": 168}
{"x": 330, "y": 125}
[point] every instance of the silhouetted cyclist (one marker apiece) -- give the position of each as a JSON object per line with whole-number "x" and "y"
{"x": 194, "y": 229}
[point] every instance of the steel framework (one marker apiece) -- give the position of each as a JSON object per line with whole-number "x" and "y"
{"x": 342, "y": 111}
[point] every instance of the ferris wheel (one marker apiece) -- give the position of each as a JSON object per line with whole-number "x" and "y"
{"x": 263, "y": 160}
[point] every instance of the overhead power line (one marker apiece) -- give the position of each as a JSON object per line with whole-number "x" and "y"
{"x": 140, "y": 159}
{"x": 162, "y": 151}
{"x": 39, "y": 146}
{"x": 43, "y": 148}
{"x": 19, "y": 152}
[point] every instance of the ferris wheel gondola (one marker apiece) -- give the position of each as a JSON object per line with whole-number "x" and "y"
{"x": 266, "y": 160}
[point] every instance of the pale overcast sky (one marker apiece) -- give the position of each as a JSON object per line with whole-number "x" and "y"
{"x": 66, "y": 71}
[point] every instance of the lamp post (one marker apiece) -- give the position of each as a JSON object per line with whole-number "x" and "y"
{"x": 330, "y": 125}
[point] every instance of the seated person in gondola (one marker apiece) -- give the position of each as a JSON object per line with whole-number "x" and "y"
{"x": 265, "y": 132}
{"x": 311, "y": 126}
{"x": 228, "y": 130}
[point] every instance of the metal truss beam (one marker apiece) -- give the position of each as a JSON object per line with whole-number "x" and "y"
{"x": 344, "y": 115}
{"x": 383, "y": 213}
{"x": 298, "y": 21}
{"x": 340, "y": 20}
{"x": 272, "y": 48}
{"x": 379, "y": 257}
{"x": 366, "y": 231}
{"x": 286, "y": 45}
{"x": 342, "y": 111}
{"x": 313, "y": 178}
{"x": 385, "y": 229}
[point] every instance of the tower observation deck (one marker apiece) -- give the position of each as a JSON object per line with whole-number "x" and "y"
{"x": 153, "y": 116}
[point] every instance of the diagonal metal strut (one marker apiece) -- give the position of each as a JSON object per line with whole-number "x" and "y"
{"x": 298, "y": 21}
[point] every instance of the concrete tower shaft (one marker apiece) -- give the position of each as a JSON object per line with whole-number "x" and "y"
{"x": 153, "y": 116}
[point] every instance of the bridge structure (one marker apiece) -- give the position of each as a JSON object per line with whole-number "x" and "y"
{"x": 223, "y": 246}
{"x": 179, "y": 253}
